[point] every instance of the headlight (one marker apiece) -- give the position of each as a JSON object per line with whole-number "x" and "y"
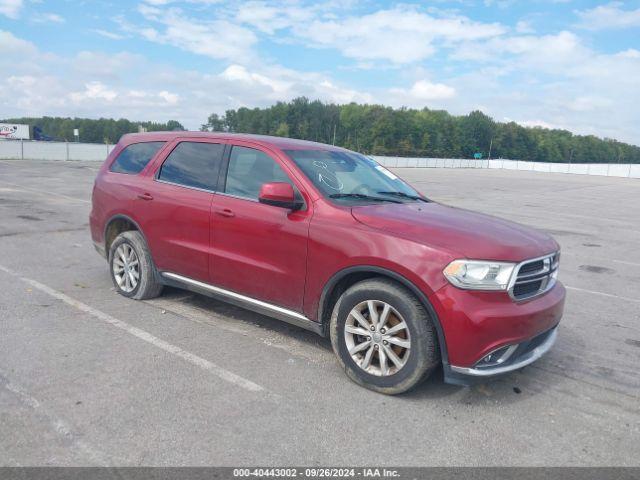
{"x": 479, "y": 274}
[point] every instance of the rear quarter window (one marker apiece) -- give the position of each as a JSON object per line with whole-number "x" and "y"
{"x": 135, "y": 157}
{"x": 193, "y": 164}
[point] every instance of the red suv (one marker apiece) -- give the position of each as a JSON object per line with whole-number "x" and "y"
{"x": 328, "y": 240}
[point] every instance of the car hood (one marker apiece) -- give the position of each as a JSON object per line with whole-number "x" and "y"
{"x": 471, "y": 234}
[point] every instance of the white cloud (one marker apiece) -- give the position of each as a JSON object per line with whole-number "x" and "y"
{"x": 11, "y": 8}
{"x": 20, "y": 83}
{"x": 524, "y": 27}
{"x": 537, "y": 123}
{"x": 399, "y": 35}
{"x": 588, "y": 103}
{"x": 239, "y": 73}
{"x": 328, "y": 91}
{"x": 431, "y": 91}
{"x": 218, "y": 38}
{"x": 95, "y": 84}
{"x": 630, "y": 53}
{"x": 609, "y": 16}
{"x": 546, "y": 52}
{"x": 104, "y": 66}
{"x": 170, "y": 98}
{"x": 93, "y": 91}
{"x": 109, "y": 34}
{"x": 268, "y": 18}
{"x": 47, "y": 18}
{"x": 498, "y": 3}
{"x": 272, "y": 84}
{"x": 422, "y": 93}
{"x": 166, "y": 2}
{"x": 10, "y": 44}
{"x": 555, "y": 79}
{"x": 104, "y": 97}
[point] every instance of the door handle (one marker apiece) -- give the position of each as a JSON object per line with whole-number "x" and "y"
{"x": 145, "y": 196}
{"x": 225, "y": 212}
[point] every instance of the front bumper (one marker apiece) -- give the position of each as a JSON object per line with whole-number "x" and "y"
{"x": 100, "y": 249}
{"x": 476, "y": 324}
{"x": 525, "y": 353}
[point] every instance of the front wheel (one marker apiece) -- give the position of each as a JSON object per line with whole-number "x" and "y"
{"x": 383, "y": 336}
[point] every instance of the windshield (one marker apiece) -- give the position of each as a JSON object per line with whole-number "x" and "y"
{"x": 348, "y": 177}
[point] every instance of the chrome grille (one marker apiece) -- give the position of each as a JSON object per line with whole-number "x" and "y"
{"x": 534, "y": 277}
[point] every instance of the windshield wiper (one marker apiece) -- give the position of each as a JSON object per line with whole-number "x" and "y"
{"x": 405, "y": 195}
{"x": 363, "y": 197}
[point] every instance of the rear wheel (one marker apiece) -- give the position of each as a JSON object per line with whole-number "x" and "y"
{"x": 383, "y": 336}
{"x": 131, "y": 267}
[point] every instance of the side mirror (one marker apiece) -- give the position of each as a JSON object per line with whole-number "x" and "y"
{"x": 279, "y": 194}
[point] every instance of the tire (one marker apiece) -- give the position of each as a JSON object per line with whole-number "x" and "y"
{"x": 418, "y": 334}
{"x": 146, "y": 284}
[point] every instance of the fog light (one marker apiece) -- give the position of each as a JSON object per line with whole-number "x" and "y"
{"x": 497, "y": 357}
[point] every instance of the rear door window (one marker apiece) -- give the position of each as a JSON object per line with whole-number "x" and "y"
{"x": 193, "y": 164}
{"x": 135, "y": 157}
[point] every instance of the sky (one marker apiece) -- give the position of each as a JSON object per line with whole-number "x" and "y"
{"x": 551, "y": 63}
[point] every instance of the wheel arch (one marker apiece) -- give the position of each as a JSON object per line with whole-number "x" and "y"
{"x": 343, "y": 279}
{"x": 120, "y": 217}
{"x": 117, "y": 224}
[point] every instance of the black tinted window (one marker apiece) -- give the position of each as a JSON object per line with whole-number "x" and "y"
{"x": 193, "y": 164}
{"x": 135, "y": 157}
{"x": 249, "y": 169}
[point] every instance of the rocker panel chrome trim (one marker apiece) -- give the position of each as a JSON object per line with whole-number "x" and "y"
{"x": 269, "y": 309}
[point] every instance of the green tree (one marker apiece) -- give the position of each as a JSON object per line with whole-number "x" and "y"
{"x": 386, "y": 131}
{"x": 282, "y": 130}
{"x": 102, "y": 130}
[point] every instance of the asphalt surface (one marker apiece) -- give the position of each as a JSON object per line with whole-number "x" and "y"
{"x": 88, "y": 377}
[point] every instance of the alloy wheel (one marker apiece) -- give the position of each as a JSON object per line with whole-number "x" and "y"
{"x": 377, "y": 338}
{"x": 126, "y": 268}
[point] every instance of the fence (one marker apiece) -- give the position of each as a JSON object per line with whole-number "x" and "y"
{"x": 34, "y": 150}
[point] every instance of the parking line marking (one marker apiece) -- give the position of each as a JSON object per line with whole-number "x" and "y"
{"x": 143, "y": 335}
{"x": 610, "y": 295}
{"x": 28, "y": 189}
{"x": 60, "y": 427}
{"x": 306, "y": 350}
{"x": 633, "y": 264}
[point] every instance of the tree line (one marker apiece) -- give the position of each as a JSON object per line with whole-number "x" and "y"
{"x": 372, "y": 129}
{"x": 103, "y": 130}
{"x": 380, "y": 130}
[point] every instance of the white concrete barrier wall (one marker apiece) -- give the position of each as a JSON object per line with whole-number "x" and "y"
{"x": 542, "y": 167}
{"x": 579, "y": 168}
{"x": 88, "y": 151}
{"x": 598, "y": 169}
{"x": 10, "y": 149}
{"x": 33, "y": 150}
{"x": 44, "y": 150}
{"x": 602, "y": 169}
{"x": 559, "y": 167}
{"x": 619, "y": 170}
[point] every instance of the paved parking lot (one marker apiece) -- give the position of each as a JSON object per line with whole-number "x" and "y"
{"x": 88, "y": 377}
